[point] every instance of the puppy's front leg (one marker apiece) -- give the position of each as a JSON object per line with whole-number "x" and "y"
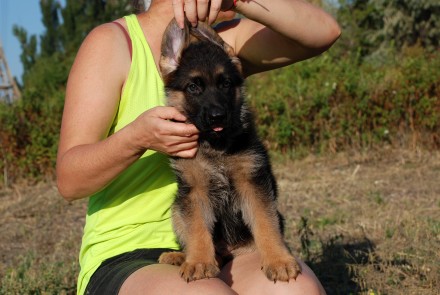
{"x": 193, "y": 219}
{"x": 200, "y": 260}
{"x": 277, "y": 262}
{"x": 260, "y": 213}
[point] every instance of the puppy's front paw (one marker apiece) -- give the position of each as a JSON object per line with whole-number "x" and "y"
{"x": 191, "y": 271}
{"x": 281, "y": 269}
{"x": 173, "y": 258}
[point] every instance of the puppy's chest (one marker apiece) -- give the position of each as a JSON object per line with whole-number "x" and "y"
{"x": 211, "y": 173}
{"x": 217, "y": 174}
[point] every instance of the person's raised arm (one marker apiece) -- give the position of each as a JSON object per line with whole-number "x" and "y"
{"x": 277, "y": 33}
{"x": 87, "y": 159}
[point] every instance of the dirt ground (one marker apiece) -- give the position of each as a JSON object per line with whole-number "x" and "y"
{"x": 367, "y": 223}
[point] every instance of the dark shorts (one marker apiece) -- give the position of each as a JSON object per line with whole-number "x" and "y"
{"x": 113, "y": 272}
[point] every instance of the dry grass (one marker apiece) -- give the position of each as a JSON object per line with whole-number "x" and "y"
{"x": 367, "y": 222}
{"x": 364, "y": 222}
{"x": 40, "y": 242}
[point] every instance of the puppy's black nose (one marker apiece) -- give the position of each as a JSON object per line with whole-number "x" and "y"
{"x": 216, "y": 116}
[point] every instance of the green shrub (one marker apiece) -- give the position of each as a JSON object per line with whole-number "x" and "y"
{"x": 327, "y": 104}
{"x": 331, "y": 103}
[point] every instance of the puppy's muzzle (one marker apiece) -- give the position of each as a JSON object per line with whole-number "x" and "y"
{"x": 216, "y": 118}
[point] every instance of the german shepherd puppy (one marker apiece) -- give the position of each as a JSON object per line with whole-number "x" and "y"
{"x": 226, "y": 200}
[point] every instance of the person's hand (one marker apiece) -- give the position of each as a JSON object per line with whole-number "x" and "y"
{"x": 163, "y": 129}
{"x": 201, "y": 10}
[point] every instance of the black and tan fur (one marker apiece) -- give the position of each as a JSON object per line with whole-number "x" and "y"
{"x": 226, "y": 201}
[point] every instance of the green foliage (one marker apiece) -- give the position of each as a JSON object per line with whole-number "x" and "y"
{"x": 375, "y": 26}
{"x": 81, "y": 16}
{"x": 331, "y": 104}
{"x": 378, "y": 85}
{"x": 51, "y": 21}
{"x": 30, "y": 127}
{"x": 28, "y": 47}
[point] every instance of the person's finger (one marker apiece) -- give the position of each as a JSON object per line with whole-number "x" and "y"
{"x": 176, "y": 146}
{"x": 202, "y": 9}
{"x": 175, "y": 140}
{"x": 214, "y": 10}
{"x": 225, "y": 15}
{"x": 180, "y": 129}
{"x": 167, "y": 113}
{"x": 227, "y": 5}
{"x": 190, "y": 7}
{"x": 190, "y": 153}
{"x": 179, "y": 14}
{"x": 182, "y": 147}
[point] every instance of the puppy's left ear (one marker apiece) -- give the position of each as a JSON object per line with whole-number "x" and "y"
{"x": 174, "y": 41}
{"x": 204, "y": 31}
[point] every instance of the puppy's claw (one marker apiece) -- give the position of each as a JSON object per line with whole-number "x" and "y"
{"x": 173, "y": 258}
{"x": 282, "y": 269}
{"x": 197, "y": 271}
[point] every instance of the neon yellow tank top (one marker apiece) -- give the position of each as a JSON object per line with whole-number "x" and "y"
{"x": 133, "y": 211}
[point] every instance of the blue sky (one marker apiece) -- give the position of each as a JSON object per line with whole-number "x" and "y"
{"x": 26, "y": 14}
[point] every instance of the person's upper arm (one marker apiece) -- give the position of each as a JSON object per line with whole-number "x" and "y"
{"x": 94, "y": 87}
{"x": 261, "y": 49}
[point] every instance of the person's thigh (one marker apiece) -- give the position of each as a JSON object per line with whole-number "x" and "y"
{"x": 165, "y": 279}
{"x": 245, "y": 276}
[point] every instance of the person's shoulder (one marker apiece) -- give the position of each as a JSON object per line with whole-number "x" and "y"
{"x": 107, "y": 40}
{"x": 107, "y": 32}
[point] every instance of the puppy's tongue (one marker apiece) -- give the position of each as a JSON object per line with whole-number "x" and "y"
{"x": 217, "y": 129}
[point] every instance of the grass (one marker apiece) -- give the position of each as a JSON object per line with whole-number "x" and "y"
{"x": 41, "y": 236}
{"x": 367, "y": 223}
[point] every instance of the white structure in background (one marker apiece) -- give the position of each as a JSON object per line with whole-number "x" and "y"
{"x": 8, "y": 88}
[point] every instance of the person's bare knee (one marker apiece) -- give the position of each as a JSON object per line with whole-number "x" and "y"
{"x": 245, "y": 277}
{"x": 165, "y": 279}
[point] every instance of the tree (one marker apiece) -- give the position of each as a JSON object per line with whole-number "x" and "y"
{"x": 28, "y": 48}
{"x": 30, "y": 127}
{"x": 407, "y": 22}
{"x": 375, "y": 25}
{"x": 50, "y": 42}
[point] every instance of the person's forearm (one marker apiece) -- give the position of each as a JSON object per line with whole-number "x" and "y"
{"x": 297, "y": 20}
{"x": 87, "y": 169}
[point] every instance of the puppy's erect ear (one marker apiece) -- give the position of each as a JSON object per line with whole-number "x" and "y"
{"x": 204, "y": 31}
{"x": 174, "y": 41}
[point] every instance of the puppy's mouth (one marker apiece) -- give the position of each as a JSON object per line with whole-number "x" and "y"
{"x": 217, "y": 128}
{"x": 213, "y": 123}
{"x": 211, "y": 128}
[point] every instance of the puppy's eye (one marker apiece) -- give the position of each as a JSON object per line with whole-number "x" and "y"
{"x": 193, "y": 88}
{"x": 227, "y": 83}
